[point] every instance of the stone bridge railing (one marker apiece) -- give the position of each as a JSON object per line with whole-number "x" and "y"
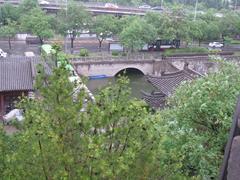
{"x": 137, "y": 57}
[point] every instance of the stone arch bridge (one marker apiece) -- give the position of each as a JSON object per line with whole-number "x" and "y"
{"x": 111, "y": 66}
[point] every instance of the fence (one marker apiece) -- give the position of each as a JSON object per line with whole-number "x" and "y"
{"x": 235, "y": 131}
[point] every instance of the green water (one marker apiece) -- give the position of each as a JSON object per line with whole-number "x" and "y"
{"x": 137, "y": 83}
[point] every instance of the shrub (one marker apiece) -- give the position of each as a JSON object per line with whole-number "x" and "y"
{"x": 115, "y": 53}
{"x": 84, "y": 52}
{"x": 124, "y": 54}
{"x": 170, "y": 52}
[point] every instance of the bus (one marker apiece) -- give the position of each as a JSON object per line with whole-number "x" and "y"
{"x": 162, "y": 44}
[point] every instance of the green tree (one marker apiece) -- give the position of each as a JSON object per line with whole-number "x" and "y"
{"x": 137, "y": 34}
{"x": 104, "y": 26}
{"x": 8, "y": 12}
{"x": 37, "y": 23}
{"x": 73, "y": 21}
{"x": 112, "y": 138}
{"x": 9, "y": 31}
{"x": 200, "y": 120}
{"x": 27, "y": 5}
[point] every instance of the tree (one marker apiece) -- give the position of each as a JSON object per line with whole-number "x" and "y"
{"x": 198, "y": 29}
{"x": 113, "y": 138}
{"x": 9, "y": 31}
{"x": 8, "y": 12}
{"x": 37, "y": 23}
{"x": 27, "y": 5}
{"x": 104, "y": 26}
{"x": 137, "y": 34}
{"x": 199, "y": 121}
{"x": 73, "y": 21}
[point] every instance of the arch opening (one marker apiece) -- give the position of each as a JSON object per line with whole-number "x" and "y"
{"x": 129, "y": 72}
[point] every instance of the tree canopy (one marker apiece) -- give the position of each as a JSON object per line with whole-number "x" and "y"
{"x": 37, "y": 23}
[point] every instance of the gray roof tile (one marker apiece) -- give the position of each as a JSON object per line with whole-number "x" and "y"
{"x": 18, "y": 73}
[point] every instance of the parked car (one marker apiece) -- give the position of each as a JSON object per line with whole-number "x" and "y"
{"x": 2, "y": 53}
{"x": 215, "y": 44}
{"x": 145, "y": 6}
{"x": 157, "y": 8}
{"x": 111, "y": 5}
{"x": 42, "y": 2}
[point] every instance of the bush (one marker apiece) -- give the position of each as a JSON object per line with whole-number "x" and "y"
{"x": 124, "y": 54}
{"x": 84, "y": 52}
{"x": 115, "y": 53}
{"x": 214, "y": 51}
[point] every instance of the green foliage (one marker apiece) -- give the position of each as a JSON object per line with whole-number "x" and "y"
{"x": 115, "y": 53}
{"x": 84, "y": 52}
{"x": 37, "y": 23}
{"x": 8, "y": 13}
{"x": 27, "y": 5}
{"x": 136, "y": 34}
{"x": 8, "y": 31}
{"x": 195, "y": 50}
{"x": 113, "y": 138}
{"x": 104, "y": 26}
{"x": 200, "y": 120}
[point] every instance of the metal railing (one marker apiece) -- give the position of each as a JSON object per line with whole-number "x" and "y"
{"x": 235, "y": 131}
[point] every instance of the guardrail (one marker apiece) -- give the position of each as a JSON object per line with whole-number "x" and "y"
{"x": 235, "y": 131}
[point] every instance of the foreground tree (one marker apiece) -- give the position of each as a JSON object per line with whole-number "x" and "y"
{"x": 113, "y": 138}
{"x": 199, "y": 122}
{"x": 37, "y": 23}
{"x": 73, "y": 21}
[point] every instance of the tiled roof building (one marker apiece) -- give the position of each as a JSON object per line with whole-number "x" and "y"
{"x": 17, "y": 76}
{"x": 166, "y": 84}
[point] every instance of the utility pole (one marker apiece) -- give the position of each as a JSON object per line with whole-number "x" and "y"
{"x": 161, "y": 3}
{"x": 66, "y": 38}
{"x": 195, "y": 12}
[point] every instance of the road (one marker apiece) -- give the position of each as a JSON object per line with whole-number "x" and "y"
{"x": 19, "y": 47}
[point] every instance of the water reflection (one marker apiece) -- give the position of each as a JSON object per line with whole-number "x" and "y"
{"x": 137, "y": 83}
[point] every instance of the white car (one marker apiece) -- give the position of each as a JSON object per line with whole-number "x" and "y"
{"x": 2, "y": 53}
{"x": 144, "y": 7}
{"x": 111, "y": 5}
{"x": 215, "y": 44}
{"x": 42, "y": 2}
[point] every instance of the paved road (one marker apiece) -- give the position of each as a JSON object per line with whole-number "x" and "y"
{"x": 19, "y": 47}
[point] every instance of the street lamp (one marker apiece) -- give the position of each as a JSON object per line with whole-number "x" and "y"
{"x": 195, "y": 13}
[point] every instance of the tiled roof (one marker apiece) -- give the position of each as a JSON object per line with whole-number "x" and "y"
{"x": 155, "y": 99}
{"x": 15, "y": 76}
{"x": 17, "y": 73}
{"x": 167, "y": 83}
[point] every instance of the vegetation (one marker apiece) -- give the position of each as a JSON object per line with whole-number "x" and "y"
{"x": 84, "y": 52}
{"x": 117, "y": 137}
{"x": 37, "y": 23}
{"x": 73, "y": 21}
{"x": 9, "y": 30}
{"x": 196, "y": 50}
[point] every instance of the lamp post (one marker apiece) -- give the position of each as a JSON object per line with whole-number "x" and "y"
{"x": 195, "y": 12}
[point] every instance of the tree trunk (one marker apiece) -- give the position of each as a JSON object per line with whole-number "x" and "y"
{"x": 41, "y": 40}
{"x": 9, "y": 43}
{"x": 72, "y": 39}
{"x": 199, "y": 42}
{"x": 100, "y": 45}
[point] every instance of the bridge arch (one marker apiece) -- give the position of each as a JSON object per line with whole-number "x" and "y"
{"x": 129, "y": 69}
